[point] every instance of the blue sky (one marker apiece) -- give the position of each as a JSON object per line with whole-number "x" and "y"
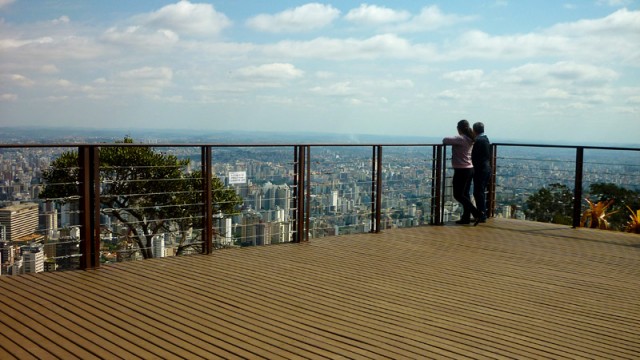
{"x": 531, "y": 70}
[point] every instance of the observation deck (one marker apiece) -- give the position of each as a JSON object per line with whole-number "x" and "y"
{"x": 504, "y": 289}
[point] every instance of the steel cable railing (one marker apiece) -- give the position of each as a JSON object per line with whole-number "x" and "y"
{"x": 96, "y": 210}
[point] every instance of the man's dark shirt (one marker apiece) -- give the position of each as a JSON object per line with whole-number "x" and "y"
{"x": 481, "y": 153}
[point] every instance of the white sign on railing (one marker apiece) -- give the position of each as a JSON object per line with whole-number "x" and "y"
{"x": 237, "y": 177}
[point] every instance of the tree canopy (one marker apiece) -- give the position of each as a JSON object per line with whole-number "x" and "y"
{"x": 553, "y": 203}
{"x": 148, "y": 191}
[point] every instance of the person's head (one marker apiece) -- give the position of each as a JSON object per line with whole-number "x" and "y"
{"x": 465, "y": 129}
{"x": 478, "y": 128}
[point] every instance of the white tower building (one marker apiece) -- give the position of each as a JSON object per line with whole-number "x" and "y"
{"x": 157, "y": 243}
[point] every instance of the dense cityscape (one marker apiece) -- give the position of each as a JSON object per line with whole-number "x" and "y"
{"x": 43, "y": 235}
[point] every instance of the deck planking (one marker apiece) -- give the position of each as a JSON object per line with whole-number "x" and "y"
{"x": 505, "y": 289}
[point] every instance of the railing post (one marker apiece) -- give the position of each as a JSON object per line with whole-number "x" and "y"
{"x": 374, "y": 161}
{"x": 577, "y": 190}
{"x": 443, "y": 182}
{"x": 436, "y": 186}
{"x": 296, "y": 192}
{"x": 376, "y": 188}
{"x": 207, "y": 208}
{"x": 307, "y": 198}
{"x": 491, "y": 196}
{"x": 299, "y": 218}
{"x": 89, "y": 179}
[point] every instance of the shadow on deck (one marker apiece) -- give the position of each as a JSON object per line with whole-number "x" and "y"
{"x": 504, "y": 289}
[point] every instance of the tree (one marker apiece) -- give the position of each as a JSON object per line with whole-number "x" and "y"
{"x": 551, "y": 204}
{"x": 148, "y": 191}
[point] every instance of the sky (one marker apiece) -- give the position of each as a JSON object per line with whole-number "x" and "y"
{"x": 530, "y": 70}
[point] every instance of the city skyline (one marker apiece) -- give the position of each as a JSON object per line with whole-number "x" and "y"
{"x": 538, "y": 71}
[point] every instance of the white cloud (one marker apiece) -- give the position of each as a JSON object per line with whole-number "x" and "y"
{"x": 61, "y": 20}
{"x": 430, "y": 18}
{"x": 4, "y": 3}
{"x": 248, "y": 78}
{"x": 614, "y": 38}
{"x": 448, "y": 95}
{"x": 162, "y": 74}
{"x": 54, "y": 98}
{"x": 562, "y": 72}
{"x": 186, "y": 18}
{"x": 621, "y": 22}
{"x": 21, "y": 80}
{"x": 394, "y": 84}
{"x": 271, "y": 71}
{"x": 478, "y": 44}
{"x": 556, "y": 94}
{"x": 369, "y": 91}
{"x": 337, "y": 89}
{"x": 376, "y": 15}
{"x": 302, "y": 18}
{"x": 10, "y": 43}
{"x": 8, "y": 97}
{"x": 464, "y": 75}
{"x": 375, "y": 47}
{"x": 354, "y": 101}
{"x": 147, "y": 79}
{"x": 64, "y": 83}
{"x": 139, "y": 37}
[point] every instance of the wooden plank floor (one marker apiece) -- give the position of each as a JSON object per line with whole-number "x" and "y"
{"x": 505, "y": 289}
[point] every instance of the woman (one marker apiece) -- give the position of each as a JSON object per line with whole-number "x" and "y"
{"x": 463, "y": 171}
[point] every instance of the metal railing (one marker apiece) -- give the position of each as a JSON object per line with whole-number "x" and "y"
{"x": 317, "y": 189}
{"x": 565, "y": 165}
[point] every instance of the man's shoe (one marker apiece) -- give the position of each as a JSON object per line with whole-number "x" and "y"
{"x": 477, "y": 221}
{"x": 463, "y": 222}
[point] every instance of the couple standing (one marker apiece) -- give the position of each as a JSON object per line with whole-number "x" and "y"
{"x": 471, "y": 159}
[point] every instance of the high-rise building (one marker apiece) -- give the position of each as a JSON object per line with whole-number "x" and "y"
{"x": 17, "y": 267}
{"x": 283, "y": 199}
{"x": 8, "y": 255}
{"x": 158, "y": 249}
{"x": 412, "y": 210}
{"x": 223, "y": 230}
{"x": 248, "y": 227}
{"x": 50, "y": 220}
{"x": 33, "y": 257}
{"x": 263, "y": 234}
{"x": 70, "y": 214}
{"x": 19, "y": 220}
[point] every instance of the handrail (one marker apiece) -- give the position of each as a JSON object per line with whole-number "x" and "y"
{"x": 226, "y": 145}
{"x": 586, "y": 147}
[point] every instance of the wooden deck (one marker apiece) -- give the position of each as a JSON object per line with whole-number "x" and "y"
{"x": 505, "y": 289}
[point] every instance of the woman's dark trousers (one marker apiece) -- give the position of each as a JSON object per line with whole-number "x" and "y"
{"x": 461, "y": 188}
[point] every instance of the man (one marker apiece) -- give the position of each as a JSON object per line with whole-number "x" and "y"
{"x": 481, "y": 159}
